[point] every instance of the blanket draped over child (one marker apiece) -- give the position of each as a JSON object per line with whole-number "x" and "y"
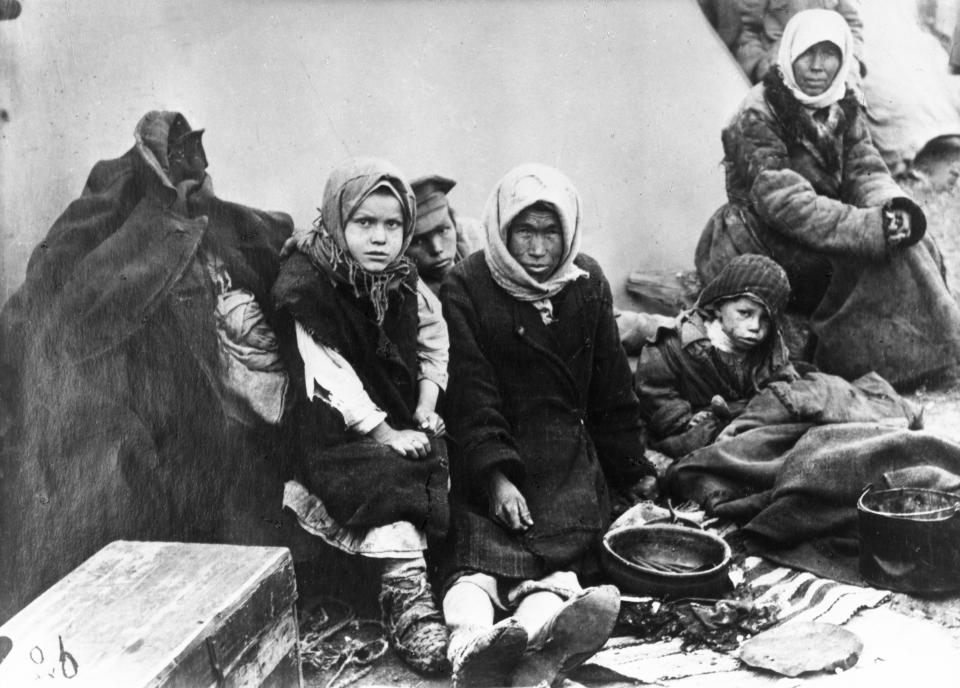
{"x": 801, "y": 454}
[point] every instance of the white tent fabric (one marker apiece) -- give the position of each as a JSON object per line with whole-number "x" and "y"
{"x": 628, "y": 99}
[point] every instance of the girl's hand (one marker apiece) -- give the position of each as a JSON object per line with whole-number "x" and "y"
{"x": 429, "y": 422}
{"x": 507, "y": 505}
{"x": 411, "y": 444}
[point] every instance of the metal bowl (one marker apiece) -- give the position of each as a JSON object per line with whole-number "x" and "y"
{"x": 662, "y": 560}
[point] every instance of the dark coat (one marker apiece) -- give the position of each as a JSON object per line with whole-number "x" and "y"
{"x": 679, "y": 373}
{"x": 119, "y": 429}
{"x": 797, "y": 197}
{"x": 362, "y": 483}
{"x": 550, "y": 406}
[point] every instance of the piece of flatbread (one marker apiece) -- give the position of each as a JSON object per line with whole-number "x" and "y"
{"x": 798, "y": 648}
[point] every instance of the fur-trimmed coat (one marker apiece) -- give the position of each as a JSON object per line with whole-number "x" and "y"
{"x": 799, "y": 195}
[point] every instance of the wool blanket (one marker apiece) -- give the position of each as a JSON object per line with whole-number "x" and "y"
{"x": 801, "y": 455}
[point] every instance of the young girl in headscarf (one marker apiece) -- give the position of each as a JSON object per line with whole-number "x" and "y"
{"x": 541, "y": 404}
{"x": 806, "y": 187}
{"x": 370, "y": 469}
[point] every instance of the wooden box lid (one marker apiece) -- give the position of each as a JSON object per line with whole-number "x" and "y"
{"x": 157, "y": 614}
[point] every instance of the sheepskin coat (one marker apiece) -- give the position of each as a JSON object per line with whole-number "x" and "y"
{"x": 798, "y": 194}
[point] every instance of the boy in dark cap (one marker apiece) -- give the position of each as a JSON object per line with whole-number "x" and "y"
{"x": 441, "y": 239}
{"x": 693, "y": 378}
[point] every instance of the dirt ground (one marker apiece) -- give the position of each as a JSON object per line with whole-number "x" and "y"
{"x": 941, "y": 404}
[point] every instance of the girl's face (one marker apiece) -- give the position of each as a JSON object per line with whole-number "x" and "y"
{"x": 817, "y": 67}
{"x": 744, "y": 321}
{"x": 374, "y": 233}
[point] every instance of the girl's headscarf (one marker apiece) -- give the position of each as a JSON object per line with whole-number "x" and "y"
{"x": 347, "y": 187}
{"x": 519, "y": 189}
{"x": 805, "y": 29}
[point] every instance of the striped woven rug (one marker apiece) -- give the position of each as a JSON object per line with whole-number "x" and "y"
{"x": 800, "y": 596}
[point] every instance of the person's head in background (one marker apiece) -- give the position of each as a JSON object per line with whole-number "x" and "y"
{"x": 745, "y": 301}
{"x": 937, "y": 165}
{"x": 434, "y": 245}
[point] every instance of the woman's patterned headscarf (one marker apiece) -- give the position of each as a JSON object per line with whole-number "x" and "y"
{"x": 347, "y": 187}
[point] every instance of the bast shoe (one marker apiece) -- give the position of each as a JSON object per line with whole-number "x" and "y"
{"x": 574, "y": 634}
{"x": 486, "y": 657}
{"x": 414, "y": 625}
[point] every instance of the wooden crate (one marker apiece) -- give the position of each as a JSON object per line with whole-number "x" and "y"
{"x": 162, "y": 614}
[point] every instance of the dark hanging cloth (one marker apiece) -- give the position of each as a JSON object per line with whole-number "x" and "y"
{"x": 116, "y": 425}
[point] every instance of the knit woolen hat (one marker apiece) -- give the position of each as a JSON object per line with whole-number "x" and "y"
{"x": 750, "y": 275}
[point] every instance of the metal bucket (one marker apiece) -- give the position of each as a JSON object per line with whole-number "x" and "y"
{"x": 910, "y": 539}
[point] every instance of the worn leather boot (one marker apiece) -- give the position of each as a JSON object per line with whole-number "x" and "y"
{"x": 486, "y": 657}
{"x": 414, "y": 625}
{"x": 574, "y": 634}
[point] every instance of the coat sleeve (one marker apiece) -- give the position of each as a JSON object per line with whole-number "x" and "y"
{"x": 787, "y": 202}
{"x": 661, "y": 404}
{"x": 473, "y": 406}
{"x": 751, "y": 48}
{"x": 867, "y": 181}
{"x": 613, "y": 412}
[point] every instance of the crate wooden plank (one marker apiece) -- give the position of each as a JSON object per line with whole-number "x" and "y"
{"x": 162, "y": 614}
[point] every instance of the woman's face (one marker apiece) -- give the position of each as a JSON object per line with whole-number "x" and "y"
{"x": 535, "y": 239}
{"x": 374, "y": 233}
{"x": 817, "y": 67}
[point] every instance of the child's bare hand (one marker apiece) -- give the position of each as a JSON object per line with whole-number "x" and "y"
{"x": 429, "y": 422}
{"x": 507, "y": 504}
{"x": 700, "y": 417}
{"x": 412, "y": 444}
{"x": 644, "y": 489}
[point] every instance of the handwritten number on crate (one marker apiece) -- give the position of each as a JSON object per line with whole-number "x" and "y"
{"x": 68, "y": 663}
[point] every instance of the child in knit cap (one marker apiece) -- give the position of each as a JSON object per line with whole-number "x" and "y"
{"x": 693, "y": 378}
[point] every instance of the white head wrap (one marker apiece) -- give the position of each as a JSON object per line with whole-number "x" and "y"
{"x": 519, "y": 189}
{"x": 806, "y": 29}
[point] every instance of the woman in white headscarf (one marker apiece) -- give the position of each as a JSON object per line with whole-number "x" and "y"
{"x": 541, "y": 406}
{"x": 806, "y": 187}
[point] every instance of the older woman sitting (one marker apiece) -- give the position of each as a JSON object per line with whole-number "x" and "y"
{"x": 806, "y": 187}
{"x": 541, "y": 404}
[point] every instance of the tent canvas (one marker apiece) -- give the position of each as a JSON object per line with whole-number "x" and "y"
{"x": 628, "y": 98}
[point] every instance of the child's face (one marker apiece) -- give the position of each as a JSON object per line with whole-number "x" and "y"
{"x": 744, "y": 321}
{"x": 374, "y": 232}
